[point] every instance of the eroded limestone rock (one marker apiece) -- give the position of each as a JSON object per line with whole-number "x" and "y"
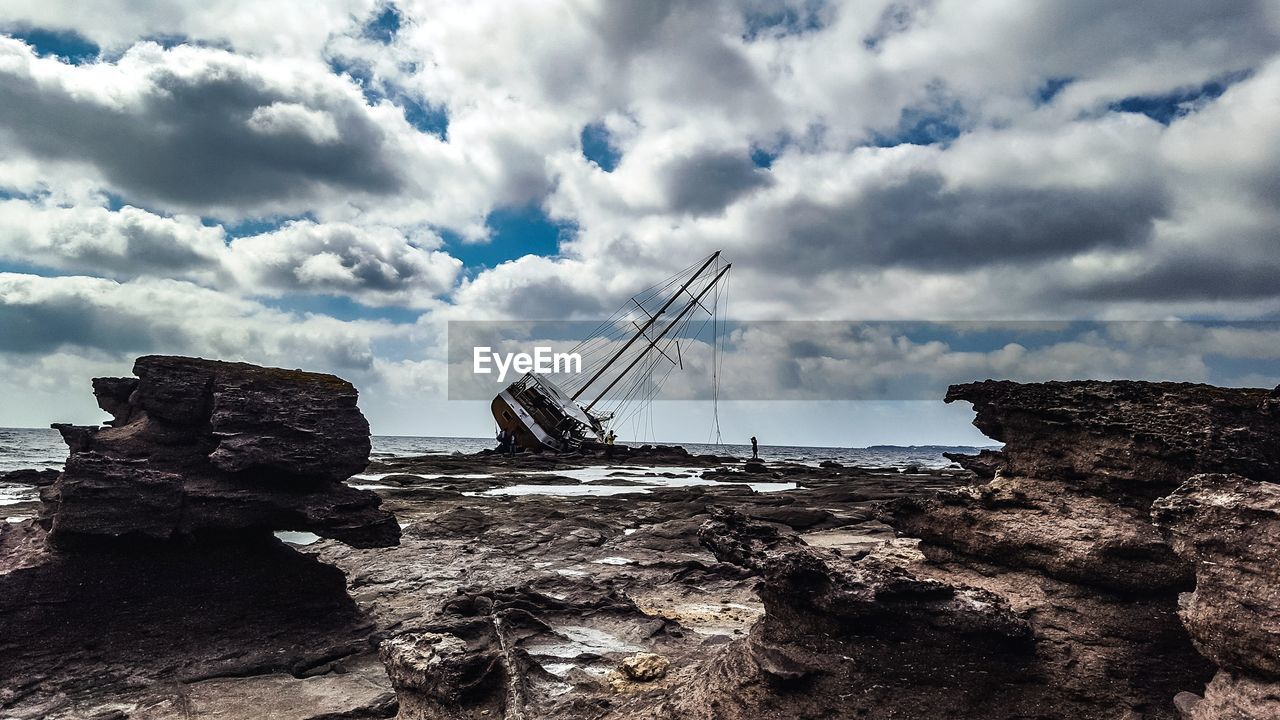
{"x": 201, "y": 446}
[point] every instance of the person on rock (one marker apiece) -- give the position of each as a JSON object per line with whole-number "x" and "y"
{"x": 755, "y": 448}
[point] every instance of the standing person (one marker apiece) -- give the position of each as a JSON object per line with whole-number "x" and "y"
{"x": 755, "y": 448}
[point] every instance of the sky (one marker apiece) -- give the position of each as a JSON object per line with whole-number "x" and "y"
{"x": 327, "y": 184}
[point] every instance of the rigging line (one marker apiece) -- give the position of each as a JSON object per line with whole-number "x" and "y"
{"x": 650, "y": 322}
{"x": 668, "y": 327}
{"x": 643, "y": 295}
{"x": 653, "y": 388}
{"x": 599, "y": 337}
{"x": 719, "y": 352}
{"x": 635, "y": 386}
{"x": 636, "y": 401}
{"x": 633, "y": 409}
{"x": 715, "y": 377}
{"x": 646, "y": 388}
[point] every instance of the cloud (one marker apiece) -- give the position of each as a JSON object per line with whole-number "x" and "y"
{"x": 374, "y": 265}
{"x": 920, "y": 222}
{"x": 126, "y": 243}
{"x": 290, "y": 29}
{"x": 709, "y": 182}
{"x": 941, "y": 159}
{"x": 198, "y": 129}
{"x": 44, "y": 315}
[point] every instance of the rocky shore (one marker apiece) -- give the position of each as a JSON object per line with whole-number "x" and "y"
{"x": 1114, "y": 560}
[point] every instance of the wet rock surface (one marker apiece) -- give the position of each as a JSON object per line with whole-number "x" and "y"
{"x": 1059, "y": 526}
{"x": 149, "y": 583}
{"x": 651, "y": 583}
{"x": 535, "y": 605}
{"x": 530, "y": 604}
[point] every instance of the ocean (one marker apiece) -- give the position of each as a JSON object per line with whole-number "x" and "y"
{"x": 43, "y": 448}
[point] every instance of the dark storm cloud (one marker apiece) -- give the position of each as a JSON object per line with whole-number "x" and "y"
{"x": 685, "y": 36}
{"x": 552, "y": 299}
{"x": 921, "y": 223}
{"x": 1183, "y": 278}
{"x": 40, "y": 316}
{"x": 707, "y": 183}
{"x": 188, "y": 140}
{"x": 52, "y": 324}
{"x": 630, "y": 27}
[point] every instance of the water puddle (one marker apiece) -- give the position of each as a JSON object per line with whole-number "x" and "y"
{"x": 294, "y": 537}
{"x": 17, "y": 494}
{"x": 563, "y": 490}
{"x": 649, "y": 475}
{"x": 375, "y": 477}
{"x": 575, "y": 641}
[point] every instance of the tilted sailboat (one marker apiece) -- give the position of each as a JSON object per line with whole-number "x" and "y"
{"x": 538, "y": 414}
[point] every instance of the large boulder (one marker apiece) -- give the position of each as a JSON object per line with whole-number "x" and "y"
{"x": 201, "y": 446}
{"x": 1228, "y": 528}
{"x": 1047, "y": 526}
{"x": 1124, "y": 438}
{"x": 1058, "y": 524}
{"x": 153, "y": 559}
{"x": 125, "y": 614}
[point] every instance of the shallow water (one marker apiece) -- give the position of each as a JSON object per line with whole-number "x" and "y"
{"x": 43, "y": 448}
{"x": 880, "y": 456}
{"x": 38, "y": 448}
{"x": 15, "y": 494}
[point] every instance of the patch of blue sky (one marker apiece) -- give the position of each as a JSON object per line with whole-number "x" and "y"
{"x": 26, "y": 268}
{"x": 255, "y": 226}
{"x": 923, "y": 126}
{"x": 763, "y": 158}
{"x": 66, "y": 45}
{"x": 384, "y": 25}
{"x": 792, "y": 18}
{"x": 1168, "y": 107}
{"x": 341, "y": 308}
{"x": 425, "y": 117}
{"x": 7, "y": 194}
{"x": 513, "y": 233}
{"x": 1050, "y": 89}
{"x": 360, "y": 72}
{"x": 598, "y": 147}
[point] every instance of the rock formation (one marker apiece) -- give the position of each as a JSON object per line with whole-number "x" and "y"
{"x": 861, "y": 636}
{"x": 200, "y": 446}
{"x": 1043, "y": 590}
{"x": 153, "y": 554}
{"x": 1067, "y": 510}
{"x": 1124, "y": 439}
{"x": 1228, "y": 528}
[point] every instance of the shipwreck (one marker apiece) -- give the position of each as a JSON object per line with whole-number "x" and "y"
{"x": 627, "y": 360}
